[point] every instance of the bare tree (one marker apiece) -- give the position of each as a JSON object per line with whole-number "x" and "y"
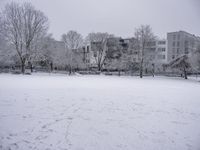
{"x": 4, "y": 55}
{"x": 195, "y": 59}
{"x": 198, "y": 58}
{"x": 36, "y": 25}
{"x": 98, "y": 46}
{"x": 72, "y": 41}
{"x": 182, "y": 63}
{"x": 45, "y": 51}
{"x": 144, "y": 36}
{"x": 23, "y": 23}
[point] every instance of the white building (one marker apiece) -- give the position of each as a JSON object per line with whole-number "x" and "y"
{"x": 180, "y": 43}
{"x": 161, "y": 55}
{"x": 155, "y": 53}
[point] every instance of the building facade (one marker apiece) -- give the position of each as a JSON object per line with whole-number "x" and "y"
{"x": 155, "y": 53}
{"x": 180, "y": 43}
{"x": 160, "y": 55}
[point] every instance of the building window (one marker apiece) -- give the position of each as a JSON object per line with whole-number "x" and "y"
{"x": 178, "y": 50}
{"x": 164, "y": 57}
{"x": 186, "y": 50}
{"x": 88, "y": 49}
{"x": 161, "y": 42}
{"x": 152, "y": 49}
{"x": 173, "y": 56}
{"x": 178, "y": 37}
{"x": 163, "y": 49}
{"x": 173, "y": 50}
{"x": 174, "y": 44}
{"x": 153, "y": 43}
{"x": 84, "y": 49}
{"x": 178, "y": 44}
{"x": 161, "y": 56}
{"x": 174, "y": 37}
{"x": 186, "y": 43}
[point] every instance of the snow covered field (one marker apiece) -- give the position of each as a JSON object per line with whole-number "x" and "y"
{"x": 59, "y": 112}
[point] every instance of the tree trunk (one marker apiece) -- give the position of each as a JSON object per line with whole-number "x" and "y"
{"x": 31, "y": 67}
{"x": 51, "y": 66}
{"x": 99, "y": 67}
{"x": 185, "y": 73}
{"x": 153, "y": 74}
{"x": 153, "y": 70}
{"x": 141, "y": 68}
{"x": 23, "y": 67}
{"x": 70, "y": 70}
{"x": 132, "y": 71}
{"x": 119, "y": 72}
{"x": 141, "y": 73}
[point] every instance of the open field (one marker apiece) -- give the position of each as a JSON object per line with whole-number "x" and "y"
{"x": 59, "y": 112}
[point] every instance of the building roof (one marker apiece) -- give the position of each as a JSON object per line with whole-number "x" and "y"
{"x": 181, "y": 31}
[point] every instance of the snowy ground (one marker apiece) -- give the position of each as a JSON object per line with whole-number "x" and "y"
{"x": 58, "y": 112}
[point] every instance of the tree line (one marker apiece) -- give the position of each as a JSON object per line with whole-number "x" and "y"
{"x": 24, "y": 40}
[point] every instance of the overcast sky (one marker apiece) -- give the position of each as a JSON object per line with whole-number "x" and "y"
{"x": 119, "y": 17}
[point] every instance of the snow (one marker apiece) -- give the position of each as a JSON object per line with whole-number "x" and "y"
{"x": 60, "y": 112}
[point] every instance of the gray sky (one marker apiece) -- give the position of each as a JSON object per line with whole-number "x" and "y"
{"x": 119, "y": 17}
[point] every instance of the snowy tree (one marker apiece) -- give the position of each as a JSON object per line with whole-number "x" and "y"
{"x": 98, "y": 46}
{"x": 5, "y": 49}
{"x": 132, "y": 55}
{"x": 194, "y": 58}
{"x": 187, "y": 63}
{"x": 198, "y": 58}
{"x": 72, "y": 41}
{"x": 45, "y": 51}
{"x": 144, "y": 36}
{"x": 182, "y": 63}
{"x": 116, "y": 54}
{"x": 22, "y": 24}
